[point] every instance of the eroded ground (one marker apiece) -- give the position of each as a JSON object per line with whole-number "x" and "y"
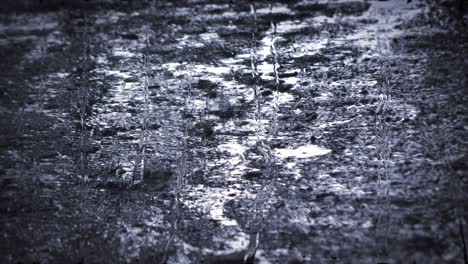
{"x": 353, "y": 150}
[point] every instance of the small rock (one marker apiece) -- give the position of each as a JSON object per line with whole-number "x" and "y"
{"x": 253, "y": 174}
{"x": 129, "y": 36}
{"x": 131, "y": 79}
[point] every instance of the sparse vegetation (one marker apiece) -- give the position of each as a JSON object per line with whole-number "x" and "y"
{"x": 232, "y": 132}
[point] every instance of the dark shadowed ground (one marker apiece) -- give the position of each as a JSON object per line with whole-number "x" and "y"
{"x": 272, "y": 131}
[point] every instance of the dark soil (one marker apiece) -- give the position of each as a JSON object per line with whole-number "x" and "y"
{"x": 355, "y": 153}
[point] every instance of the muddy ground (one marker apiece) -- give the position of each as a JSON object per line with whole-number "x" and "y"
{"x": 276, "y": 132}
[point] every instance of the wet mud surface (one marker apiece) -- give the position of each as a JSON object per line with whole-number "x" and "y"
{"x": 275, "y": 132}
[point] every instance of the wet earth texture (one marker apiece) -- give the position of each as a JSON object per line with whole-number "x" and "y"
{"x": 274, "y": 132}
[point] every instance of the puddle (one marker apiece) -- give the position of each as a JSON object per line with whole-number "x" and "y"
{"x": 211, "y": 201}
{"x": 302, "y": 152}
{"x": 274, "y": 10}
{"x": 209, "y": 36}
{"x": 123, "y": 52}
{"x": 389, "y": 14}
{"x": 235, "y": 149}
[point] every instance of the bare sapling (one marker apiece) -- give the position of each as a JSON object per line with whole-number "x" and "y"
{"x": 267, "y": 185}
{"x": 383, "y": 138}
{"x": 140, "y": 162}
{"x": 183, "y": 166}
{"x": 249, "y": 256}
{"x": 42, "y": 66}
{"x": 84, "y": 98}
